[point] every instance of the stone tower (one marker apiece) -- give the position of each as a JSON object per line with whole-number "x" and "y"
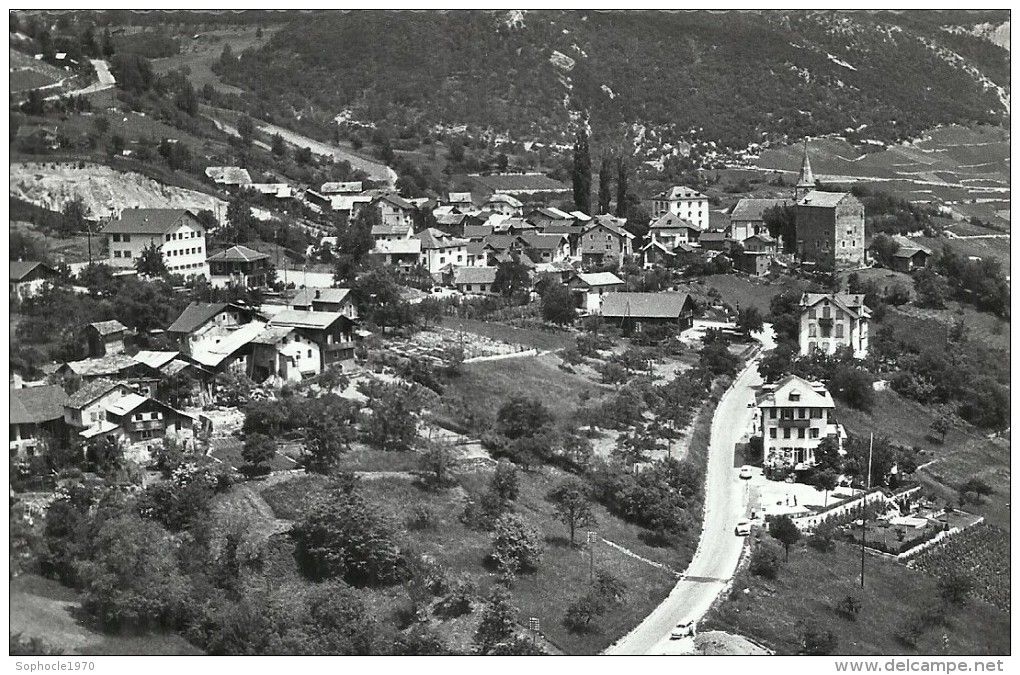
{"x": 806, "y": 182}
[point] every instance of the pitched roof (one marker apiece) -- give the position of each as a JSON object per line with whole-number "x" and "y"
{"x": 513, "y": 222}
{"x": 671, "y": 221}
{"x": 347, "y": 202}
{"x": 459, "y": 197}
{"x": 474, "y": 275}
{"x": 155, "y": 360}
{"x": 477, "y": 231}
{"x": 105, "y": 328}
{"x": 228, "y": 175}
{"x": 559, "y": 266}
{"x": 562, "y": 229}
{"x": 32, "y": 405}
{"x": 299, "y": 318}
{"x": 126, "y": 404}
{"x": 237, "y": 253}
{"x": 146, "y": 221}
{"x": 212, "y": 354}
{"x": 713, "y": 236}
{"x": 805, "y": 394}
{"x": 656, "y": 244}
{"x": 451, "y": 219}
{"x": 500, "y": 198}
{"x": 679, "y": 192}
{"x": 550, "y": 213}
{"x": 431, "y": 238}
{"x": 400, "y": 246}
{"x": 910, "y": 252}
{"x": 195, "y": 316}
{"x": 807, "y": 177}
{"x": 544, "y": 241}
{"x": 754, "y": 209}
{"x": 580, "y": 215}
{"x": 644, "y": 305}
{"x": 273, "y": 335}
{"x": 90, "y": 391}
{"x": 850, "y": 303}
{"x": 340, "y": 187}
{"x": 383, "y": 229}
{"x": 106, "y": 365}
{"x": 614, "y": 225}
{"x": 763, "y": 237}
{"x": 820, "y": 199}
{"x": 395, "y": 200}
{"x": 306, "y": 296}
{"x": 21, "y": 269}
{"x": 502, "y": 242}
{"x": 600, "y": 279}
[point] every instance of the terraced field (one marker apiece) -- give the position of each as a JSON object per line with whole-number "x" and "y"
{"x": 966, "y": 169}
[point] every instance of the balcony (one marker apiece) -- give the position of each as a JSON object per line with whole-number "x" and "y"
{"x": 147, "y": 425}
{"x": 794, "y": 423}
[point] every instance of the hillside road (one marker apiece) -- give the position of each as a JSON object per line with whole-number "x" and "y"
{"x": 718, "y": 553}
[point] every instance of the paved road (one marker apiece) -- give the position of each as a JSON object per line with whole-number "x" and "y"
{"x": 106, "y": 81}
{"x": 718, "y": 553}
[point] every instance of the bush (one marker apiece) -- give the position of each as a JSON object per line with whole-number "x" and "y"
{"x": 818, "y": 642}
{"x": 765, "y": 560}
{"x": 516, "y": 546}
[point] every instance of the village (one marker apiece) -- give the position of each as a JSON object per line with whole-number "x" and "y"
{"x": 334, "y": 373}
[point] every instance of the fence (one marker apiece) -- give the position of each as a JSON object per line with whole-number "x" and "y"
{"x": 810, "y": 522}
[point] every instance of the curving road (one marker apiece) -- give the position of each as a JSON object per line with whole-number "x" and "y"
{"x": 719, "y": 550}
{"x": 375, "y": 170}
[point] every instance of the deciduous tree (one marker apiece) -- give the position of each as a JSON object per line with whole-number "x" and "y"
{"x": 573, "y": 505}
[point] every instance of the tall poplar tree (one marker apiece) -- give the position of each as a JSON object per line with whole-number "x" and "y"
{"x": 605, "y": 184}
{"x": 582, "y": 172}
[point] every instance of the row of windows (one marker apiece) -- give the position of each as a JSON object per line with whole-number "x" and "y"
{"x": 813, "y": 330}
{"x": 801, "y": 433}
{"x": 185, "y": 251}
{"x": 122, "y": 254}
{"x": 117, "y": 237}
{"x": 193, "y": 266}
{"x": 182, "y": 235}
{"x": 141, "y": 417}
{"x": 802, "y": 413}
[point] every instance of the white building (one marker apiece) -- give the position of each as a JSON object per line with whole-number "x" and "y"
{"x": 689, "y": 204}
{"x": 177, "y": 233}
{"x": 795, "y": 416}
{"x": 829, "y": 321}
{"x": 439, "y": 249}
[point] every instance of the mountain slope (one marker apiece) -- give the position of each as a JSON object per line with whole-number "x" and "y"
{"x": 734, "y": 78}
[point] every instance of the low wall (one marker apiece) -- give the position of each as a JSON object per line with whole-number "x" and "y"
{"x": 940, "y": 537}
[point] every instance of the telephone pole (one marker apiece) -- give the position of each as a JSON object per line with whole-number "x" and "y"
{"x": 592, "y": 538}
{"x": 864, "y": 505}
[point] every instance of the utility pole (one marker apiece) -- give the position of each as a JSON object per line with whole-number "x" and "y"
{"x": 88, "y": 228}
{"x": 864, "y": 506}
{"x": 534, "y": 626}
{"x": 593, "y": 537}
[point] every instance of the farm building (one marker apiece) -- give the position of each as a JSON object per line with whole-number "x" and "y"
{"x": 634, "y": 312}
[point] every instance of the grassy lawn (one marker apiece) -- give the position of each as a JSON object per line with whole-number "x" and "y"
{"x": 996, "y": 249}
{"x": 562, "y": 575}
{"x": 921, "y": 326}
{"x": 809, "y": 585}
{"x": 199, "y": 55}
{"x": 44, "y": 609}
{"x": 529, "y": 337}
{"x": 747, "y": 291}
{"x": 483, "y": 387}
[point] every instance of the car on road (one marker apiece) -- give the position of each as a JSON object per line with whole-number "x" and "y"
{"x": 743, "y": 528}
{"x": 746, "y": 472}
{"x": 685, "y": 628}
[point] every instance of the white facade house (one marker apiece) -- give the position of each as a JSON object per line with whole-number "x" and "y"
{"x": 829, "y": 321}
{"x": 795, "y": 415}
{"x": 505, "y": 204}
{"x": 689, "y": 204}
{"x": 394, "y": 210}
{"x": 439, "y": 249}
{"x": 176, "y": 232}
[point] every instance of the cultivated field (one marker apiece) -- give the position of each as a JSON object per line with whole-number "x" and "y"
{"x": 199, "y": 53}
{"x": 953, "y": 164}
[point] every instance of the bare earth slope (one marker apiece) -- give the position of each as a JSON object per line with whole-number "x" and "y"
{"x": 104, "y": 189}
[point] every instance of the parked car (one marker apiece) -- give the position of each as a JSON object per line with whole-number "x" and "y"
{"x": 685, "y": 628}
{"x": 746, "y": 472}
{"x": 743, "y": 528}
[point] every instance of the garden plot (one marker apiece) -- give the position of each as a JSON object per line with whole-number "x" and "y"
{"x": 439, "y": 343}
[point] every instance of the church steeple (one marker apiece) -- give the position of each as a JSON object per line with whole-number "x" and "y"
{"x": 806, "y": 182}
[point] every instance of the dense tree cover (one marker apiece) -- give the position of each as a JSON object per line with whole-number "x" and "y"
{"x": 978, "y": 282}
{"x": 506, "y": 73}
{"x": 392, "y": 418}
{"x": 340, "y": 536}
